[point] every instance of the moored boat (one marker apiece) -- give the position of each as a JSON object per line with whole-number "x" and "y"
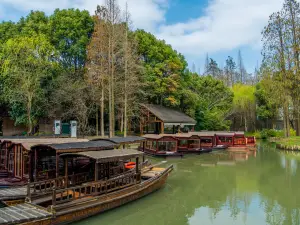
{"x": 62, "y": 205}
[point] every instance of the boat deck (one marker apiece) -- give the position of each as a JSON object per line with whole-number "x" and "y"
{"x": 22, "y": 213}
{"x": 13, "y": 193}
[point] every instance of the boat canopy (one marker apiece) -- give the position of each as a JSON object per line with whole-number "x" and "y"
{"x": 122, "y": 140}
{"x": 106, "y": 156}
{"x": 77, "y": 146}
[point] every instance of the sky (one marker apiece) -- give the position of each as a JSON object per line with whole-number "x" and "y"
{"x": 195, "y": 28}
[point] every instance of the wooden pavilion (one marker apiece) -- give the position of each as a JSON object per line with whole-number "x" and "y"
{"x": 157, "y": 117}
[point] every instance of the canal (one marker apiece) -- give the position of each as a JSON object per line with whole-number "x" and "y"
{"x": 220, "y": 189}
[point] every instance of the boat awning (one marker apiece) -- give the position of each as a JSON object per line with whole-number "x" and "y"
{"x": 107, "y": 156}
{"x": 77, "y": 146}
{"x": 122, "y": 140}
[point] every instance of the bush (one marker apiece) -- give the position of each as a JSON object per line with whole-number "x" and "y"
{"x": 266, "y": 133}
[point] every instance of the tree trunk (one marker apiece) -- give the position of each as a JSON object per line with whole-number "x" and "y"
{"x": 245, "y": 121}
{"x": 97, "y": 121}
{"x": 102, "y": 112}
{"x": 109, "y": 89}
{"x": 122, "y": 122}
{"x": 286, "y": 120}
{"x": 29, "y": 116}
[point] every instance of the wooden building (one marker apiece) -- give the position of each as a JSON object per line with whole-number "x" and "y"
{"x": 156, "y": 119}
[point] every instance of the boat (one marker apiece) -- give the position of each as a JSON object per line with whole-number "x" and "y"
{"x": 219, "y": 147}
{"x": 62, "y": 205}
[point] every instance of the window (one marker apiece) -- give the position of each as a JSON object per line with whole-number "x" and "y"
{"x": 167, "y": 146}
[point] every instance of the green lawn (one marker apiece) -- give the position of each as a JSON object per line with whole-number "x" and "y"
{"x": 291, "y": 141}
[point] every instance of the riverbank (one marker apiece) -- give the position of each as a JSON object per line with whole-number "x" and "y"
{"x": 291, "y": 143}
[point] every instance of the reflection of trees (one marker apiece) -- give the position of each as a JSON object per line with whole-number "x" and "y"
{"x": 192, "y": 186}
{"x": 279, "y": 184}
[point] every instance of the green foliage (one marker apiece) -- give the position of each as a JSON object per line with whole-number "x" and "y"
{"x": 26, "y": 63}
{"x": 243, "y": 96}
{"x": 71, "y": 30}
{"x": 266, "y": 133}
{"x": 266, "y": 107}
{"x": 163, "y": 69}
{"x": 213, "y": 100}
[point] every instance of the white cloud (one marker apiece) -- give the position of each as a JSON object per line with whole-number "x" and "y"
{"x": 226, "y": 25}
{"x": 146, "y": 14}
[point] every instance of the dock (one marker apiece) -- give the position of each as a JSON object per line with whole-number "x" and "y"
{"x": 22, "y": 213}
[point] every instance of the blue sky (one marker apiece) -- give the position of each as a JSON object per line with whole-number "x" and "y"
{"x": 195, "y": 28}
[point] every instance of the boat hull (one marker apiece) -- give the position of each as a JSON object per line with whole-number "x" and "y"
{"x": 104, "y": 203}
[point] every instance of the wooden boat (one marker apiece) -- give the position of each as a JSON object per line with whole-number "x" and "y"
{"x": 219, "y": 147}
{"x": 66, "y": 205}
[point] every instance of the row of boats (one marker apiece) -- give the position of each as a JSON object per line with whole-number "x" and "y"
{"x": 58, "y": 181}
{"x": 167, "y": 145}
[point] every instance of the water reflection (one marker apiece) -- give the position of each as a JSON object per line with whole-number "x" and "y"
{"x": 223, "y": 188}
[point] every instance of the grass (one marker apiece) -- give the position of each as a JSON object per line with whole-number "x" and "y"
{"x": 291, "y": 141}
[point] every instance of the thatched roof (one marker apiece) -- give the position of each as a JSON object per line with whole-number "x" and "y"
{"x": 168, "y": 115}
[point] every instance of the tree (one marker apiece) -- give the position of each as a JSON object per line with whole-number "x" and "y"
{"x": 276, "y": 55}
{"x": 244, "y": 103}
{"x": 70, "y": 32}
{"x": 230, "y": 71}
{"x": 291, "y": 17}
{"x": 213, "y": 105}
{"x": 164, "y": 68}
{"x": 206, "y": 66}
{"x": 96, "y": 60}
{"x": 213, "y": 69}
{"x": 242, "y": 75}
{"x": 267, "y": 105}
{"x": 27, "y": 63}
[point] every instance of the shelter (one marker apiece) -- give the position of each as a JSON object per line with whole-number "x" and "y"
{"x": 161, "y": 116}
{"x": 122, "y": 140}
{"x": 106, "y": 163}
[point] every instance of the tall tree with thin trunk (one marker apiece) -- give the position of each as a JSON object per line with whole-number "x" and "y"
{"x": 276, "y": 56}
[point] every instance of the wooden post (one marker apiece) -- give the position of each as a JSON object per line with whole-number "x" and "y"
{"x": 56, "y": 166}
{"x": 96, "y": 171}
{"x": 137, "y": 165}
{"x": 162, "y": 127}
{"x": 108, "y": 170}
{"x": 35, "y": 165}
{"x": 143, "y": 146}
{"x": 30, "y": 166}
{"x": 54, "y": 195}
{"x": 66, "y": 171}
{"x": 28, "y": 191}
{"x": 173, "y": 129}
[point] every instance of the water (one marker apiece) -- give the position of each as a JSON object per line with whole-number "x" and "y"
{"x": 219, "y": 189}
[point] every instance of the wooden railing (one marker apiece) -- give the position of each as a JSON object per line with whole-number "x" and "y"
{"x": 94, "y": 188}
{"x": 46, "y": 186}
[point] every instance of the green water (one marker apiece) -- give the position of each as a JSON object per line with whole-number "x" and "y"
{"x": 219, "y": 189}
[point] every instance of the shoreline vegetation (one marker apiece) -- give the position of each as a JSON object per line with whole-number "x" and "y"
{"x": 290, "y": 143}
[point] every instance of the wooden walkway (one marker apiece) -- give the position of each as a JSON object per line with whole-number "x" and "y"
{"x": 13, "y": 193}
{"x": 22, "y": 213}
